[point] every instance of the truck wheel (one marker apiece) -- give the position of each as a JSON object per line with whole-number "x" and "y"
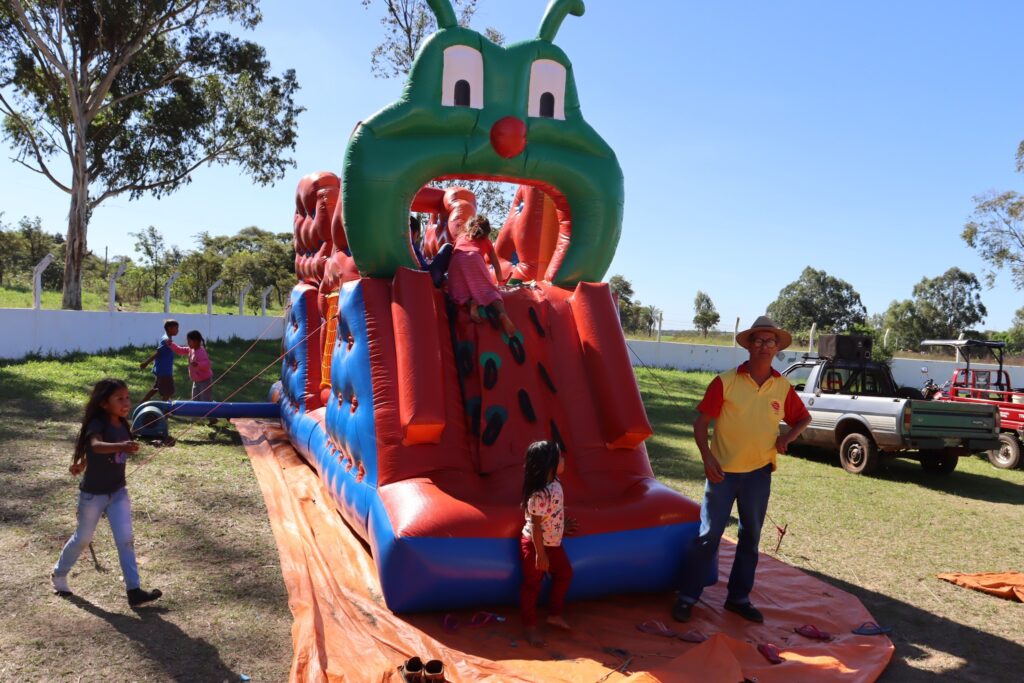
{"x": 938, "y": 462}
{"x": 1007, "y": 456}
{"x": 858, "y": 454}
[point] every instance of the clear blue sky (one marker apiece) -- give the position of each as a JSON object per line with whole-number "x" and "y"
{"x": 756, "y": 138}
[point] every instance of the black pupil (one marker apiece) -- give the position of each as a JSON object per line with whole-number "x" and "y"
{"x": 462, "y": 93}
{"x": 547, "y": 105}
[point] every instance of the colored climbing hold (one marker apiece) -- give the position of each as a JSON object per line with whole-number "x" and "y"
{"x": 495, "y": 418}
{"x": 464, "y": 358}
{"x": 473, "y": 406}
{"x": 515, "y": 347}
{"x": 526, "y": 406}
{"x": 535, "y": 319}
{"x": 490, "y": 373}
{"x": 546, "y": 378}
{"x": 556, "y": 436}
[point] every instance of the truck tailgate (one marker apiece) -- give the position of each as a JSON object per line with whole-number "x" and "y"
{"x": 936, "y": 419}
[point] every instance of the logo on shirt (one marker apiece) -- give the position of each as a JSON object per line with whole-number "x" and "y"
{"x": 776, "y": 406}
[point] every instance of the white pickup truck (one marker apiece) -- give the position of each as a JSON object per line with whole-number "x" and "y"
{"x": 856, "y": 408}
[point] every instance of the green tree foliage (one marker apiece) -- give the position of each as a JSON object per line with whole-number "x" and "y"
{"x": 635, "y": 317}
{"x": 158, "y": 259}
{"x": 1014, "y": 337}
{"x": 622, "y": 289}
{"x": 406, "y": 23}
{"x": 705, "y": 317}
{"x": 25, "y": 245}
{"x": 13, "y": 250}
{"x": 996, "y": 230}
{"x": 263, "y": 258}
{"x": 942, "y": 307}
{"x": 134, "y": 97}
{"x": 817, "y": 297}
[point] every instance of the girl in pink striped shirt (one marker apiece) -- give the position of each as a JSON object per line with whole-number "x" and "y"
{"x": 199, "y": 368}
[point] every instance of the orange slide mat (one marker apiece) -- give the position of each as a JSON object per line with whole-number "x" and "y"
{"x": 343, "y": 631}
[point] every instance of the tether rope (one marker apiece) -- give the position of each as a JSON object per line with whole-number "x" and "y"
{"x": 236, "y": 391}
{"x": 224, "y": 374}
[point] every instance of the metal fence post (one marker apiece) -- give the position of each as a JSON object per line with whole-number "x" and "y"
{"x": 735, "y": 332}
{"x": 37, "y": 281}
{"x": 661, "y": 318}
{"x": 167, "y": 291}
{"x": 111, "y": 303}
{"x": 241, "y": 298}
{"x": 209, "y": 296}
{"x": 264, "y": 295}
{"x": 810, "y": 341}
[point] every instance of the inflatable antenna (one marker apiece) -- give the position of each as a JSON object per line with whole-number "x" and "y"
{"x": 444, "y": 13}
{"x": 554, "y": 15}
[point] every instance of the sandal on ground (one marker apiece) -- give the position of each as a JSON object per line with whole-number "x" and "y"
{"x": 692, "y": 636}
{"x": 770, "y": 652}
{"x": 812, "y": 631}
{"x": 870, "y": 628}
{"x": 656, "y": 628}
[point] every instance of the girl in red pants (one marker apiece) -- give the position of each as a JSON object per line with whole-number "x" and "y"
{"x": 541, "y": 544}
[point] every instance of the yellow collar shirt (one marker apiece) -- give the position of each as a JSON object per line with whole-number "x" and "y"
{"x": 746, "y": 417}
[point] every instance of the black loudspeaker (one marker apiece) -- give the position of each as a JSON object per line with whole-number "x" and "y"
{"x": 845, "y": 346}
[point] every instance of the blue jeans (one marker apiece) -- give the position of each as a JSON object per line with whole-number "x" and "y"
{"x": 91, "y": 507}
{"x": 750, "y": 490}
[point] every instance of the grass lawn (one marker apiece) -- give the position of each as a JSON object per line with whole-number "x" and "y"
{"x": 21, "y": 297}
{"x": 202, "y": 536}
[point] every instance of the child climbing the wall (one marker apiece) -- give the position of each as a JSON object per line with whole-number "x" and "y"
{"x": 543, "y": 503}
{"x": 101, "y": 451}
{"x": 163, "y": 367}
{"x": 199, "y": 369}
{"x": 469, "y": 283}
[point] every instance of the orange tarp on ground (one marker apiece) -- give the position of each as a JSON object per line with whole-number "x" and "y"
{"x": 343, "y": 632}
{"x": 1008, "y": 585}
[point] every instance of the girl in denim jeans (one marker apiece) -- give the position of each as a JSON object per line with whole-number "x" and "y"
{"x": 101, "y": 451}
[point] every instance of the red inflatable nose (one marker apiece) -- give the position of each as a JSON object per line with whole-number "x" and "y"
{"x": 508, "y": 136}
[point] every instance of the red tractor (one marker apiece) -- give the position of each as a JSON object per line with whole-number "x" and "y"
{"x": 991, "y": 386}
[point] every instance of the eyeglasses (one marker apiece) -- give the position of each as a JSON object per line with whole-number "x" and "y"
{"x": 769, "y": 343}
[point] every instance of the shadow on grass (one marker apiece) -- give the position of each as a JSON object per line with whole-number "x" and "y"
{"x": 919, "y": 634}
{"x": 181, "y": 656}
{"x": 906, "y": 471}
{"x": 25, "y": 497}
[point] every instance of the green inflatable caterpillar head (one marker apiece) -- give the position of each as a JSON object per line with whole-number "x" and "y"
{"x": 474, "y": 109}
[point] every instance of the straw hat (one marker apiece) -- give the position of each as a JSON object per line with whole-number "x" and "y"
{"x": 764, "y": 324}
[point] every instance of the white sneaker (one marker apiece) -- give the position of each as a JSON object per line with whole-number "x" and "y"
{"x": 60, "y": 584}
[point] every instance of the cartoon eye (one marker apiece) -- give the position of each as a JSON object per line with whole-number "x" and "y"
{"x": 547, "y": 90}
{"x": 463, "y": 80}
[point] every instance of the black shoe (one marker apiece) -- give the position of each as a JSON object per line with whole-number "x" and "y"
{"x": 746, "y": 610}
{"x": 137, "y": 596}
{"x": 681, "y": 611}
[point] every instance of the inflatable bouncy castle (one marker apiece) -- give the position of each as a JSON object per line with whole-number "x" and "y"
{"x": 415, "y": 417}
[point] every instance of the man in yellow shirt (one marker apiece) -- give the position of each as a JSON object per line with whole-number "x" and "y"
{"x": 746, "y": 405}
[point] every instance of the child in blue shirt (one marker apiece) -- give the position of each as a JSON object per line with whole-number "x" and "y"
{"x": 163, "y": 367}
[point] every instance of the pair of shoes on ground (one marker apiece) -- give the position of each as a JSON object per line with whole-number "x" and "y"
{"x": 136, "y": 596}
{"x": 682, "y": 611}
{"x": 416, "y": 670}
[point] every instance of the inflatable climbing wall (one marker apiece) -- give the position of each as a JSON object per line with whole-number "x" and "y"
{"x": 416, "y": 418}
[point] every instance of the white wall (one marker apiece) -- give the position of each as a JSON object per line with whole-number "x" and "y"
{"x": 907, "y": 372}
{"x": 26, "y": 330}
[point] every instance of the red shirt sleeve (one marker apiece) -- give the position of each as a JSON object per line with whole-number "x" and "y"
{"x": 714, "y": 396}
{"x": 795, "y": 408}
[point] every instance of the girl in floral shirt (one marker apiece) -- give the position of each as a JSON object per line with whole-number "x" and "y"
{"x": 541, "y": 548}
